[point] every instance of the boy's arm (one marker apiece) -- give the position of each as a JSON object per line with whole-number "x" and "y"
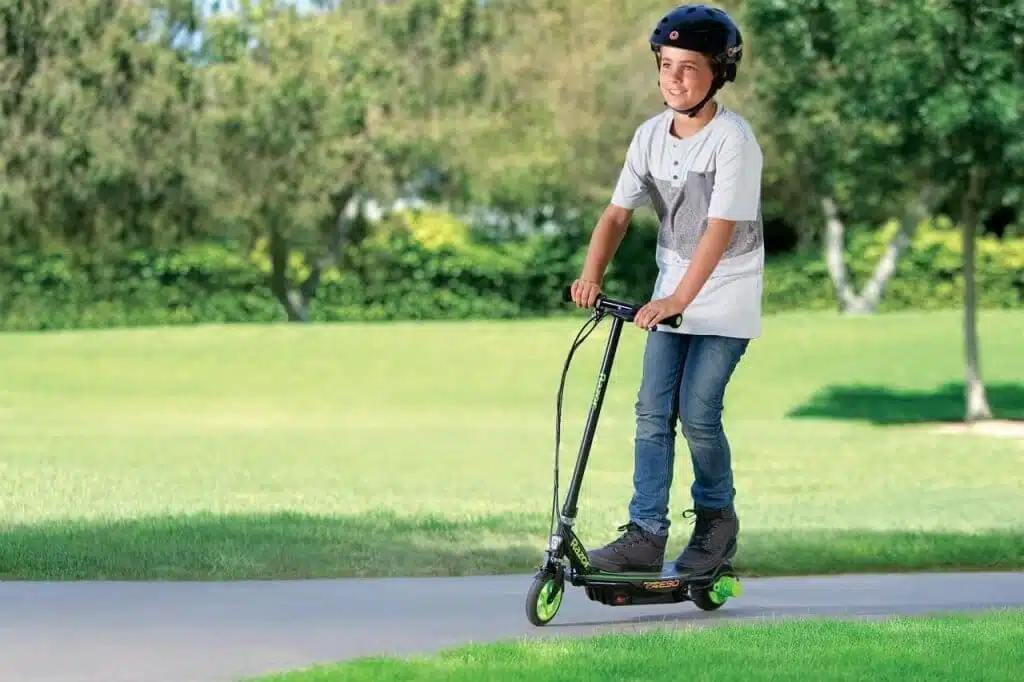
{"x": 605, "y": 241}
{"x": 705, "y": 259}
{"x": 630, "y": 193}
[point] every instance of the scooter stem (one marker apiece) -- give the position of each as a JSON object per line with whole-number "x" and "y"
{"x": 569, "y": 509}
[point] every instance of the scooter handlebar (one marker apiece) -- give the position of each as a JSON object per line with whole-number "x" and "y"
{"x": 622, "y": 309}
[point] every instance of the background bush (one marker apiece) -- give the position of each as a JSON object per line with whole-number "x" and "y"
{"x": 427, "y": 266}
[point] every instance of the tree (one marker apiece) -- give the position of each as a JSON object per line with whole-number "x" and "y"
{"x": 843, "y": 162}
{"x": 311, "y": 115}
{"x": 904, "y": 100}
{"x": 97, "y": 114}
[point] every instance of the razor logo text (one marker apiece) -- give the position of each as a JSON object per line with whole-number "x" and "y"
{"x": 601, "y": 379}
{"x": 661, "y": 584}
{"x": 577, "y": 549}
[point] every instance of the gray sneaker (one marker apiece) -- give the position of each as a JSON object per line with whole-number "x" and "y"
{"x": 634, "y": 550}
{"x": 713, "y": 541}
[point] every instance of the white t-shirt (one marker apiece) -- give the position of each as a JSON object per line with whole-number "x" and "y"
{"x": 714, "y": 173}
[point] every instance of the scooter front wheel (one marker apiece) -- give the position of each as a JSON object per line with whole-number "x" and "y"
{"x": 544, "y": 598}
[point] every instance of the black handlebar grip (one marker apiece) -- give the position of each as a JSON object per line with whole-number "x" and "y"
{"x": 676, "y": 321}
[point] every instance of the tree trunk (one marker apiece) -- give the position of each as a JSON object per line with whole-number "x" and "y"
{"x": 291, "y": 300}
{"x": 866, "y": 303}
{"x": 335, "y": 238}
{"x": 297, "y": 301}
{"x": 977, "y": 407}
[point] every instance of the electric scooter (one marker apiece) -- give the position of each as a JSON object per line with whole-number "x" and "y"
{"x": 566, "y": 559}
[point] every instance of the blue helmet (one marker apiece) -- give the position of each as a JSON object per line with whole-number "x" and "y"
{"x": 704, "y": 29}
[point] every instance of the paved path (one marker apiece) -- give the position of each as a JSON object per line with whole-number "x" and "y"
{"x": 220, "y": 632}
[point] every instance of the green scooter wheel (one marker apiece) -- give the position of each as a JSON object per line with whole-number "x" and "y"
{"x": 714, "y": 596}
{"x": 544, "y": 598}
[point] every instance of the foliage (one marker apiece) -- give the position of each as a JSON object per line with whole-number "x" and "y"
{"x": 308, "y": 115}
{"x": 97, "y": 127}
{"x": 873, "y": 101}
{"x": 923, "y": 99}
{"x": 278, "y": 132}
{"x": 928, "y": 277}
{"x": 422, "y": 266}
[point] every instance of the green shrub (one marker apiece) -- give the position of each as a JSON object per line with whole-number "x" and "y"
{"x": 930, "y": 273}
{"x": 394, "y": 275}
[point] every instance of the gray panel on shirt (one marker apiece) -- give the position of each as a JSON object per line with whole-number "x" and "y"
{"x": 683, "y": 212}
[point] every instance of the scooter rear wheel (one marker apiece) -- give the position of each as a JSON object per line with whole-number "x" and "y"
{"x": 715, "y": 595}
{"x": 544, "y": 598}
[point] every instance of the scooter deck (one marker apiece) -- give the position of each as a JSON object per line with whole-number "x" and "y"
{"x": 668, "y": 572}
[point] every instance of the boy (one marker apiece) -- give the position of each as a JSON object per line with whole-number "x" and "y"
{"x": 700, "y": 166}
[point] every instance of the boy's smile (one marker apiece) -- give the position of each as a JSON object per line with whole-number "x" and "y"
{"x": 684, "y": 77}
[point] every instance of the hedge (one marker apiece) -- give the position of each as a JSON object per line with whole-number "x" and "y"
{"x": 434, "y": 269}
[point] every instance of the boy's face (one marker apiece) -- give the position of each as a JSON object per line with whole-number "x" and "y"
{"x": 684, "y": 77}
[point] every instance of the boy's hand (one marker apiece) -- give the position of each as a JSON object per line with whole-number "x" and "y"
{"x": 655, "y": 311}
{"x": 584, "y": 293}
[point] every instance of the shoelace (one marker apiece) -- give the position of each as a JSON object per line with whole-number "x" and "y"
{"x": 633, "y": 535}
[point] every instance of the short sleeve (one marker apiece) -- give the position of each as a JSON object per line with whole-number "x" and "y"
{"x": 631, "y": 188}
{"x": 736, "y": 194}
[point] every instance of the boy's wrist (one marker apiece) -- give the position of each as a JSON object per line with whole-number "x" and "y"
{"x": 679, "y": 300}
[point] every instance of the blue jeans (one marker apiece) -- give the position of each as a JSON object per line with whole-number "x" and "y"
{"x": 684, "y": 378}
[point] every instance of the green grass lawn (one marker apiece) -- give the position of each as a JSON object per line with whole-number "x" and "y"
{"x": 418, "y": 449}
{"x": 975, "y": 647}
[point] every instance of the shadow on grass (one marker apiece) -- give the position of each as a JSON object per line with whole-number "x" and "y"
{"x": 207, "y": 546}
{"x": 294, "y": 546}
{"x": 887, "y": 406}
